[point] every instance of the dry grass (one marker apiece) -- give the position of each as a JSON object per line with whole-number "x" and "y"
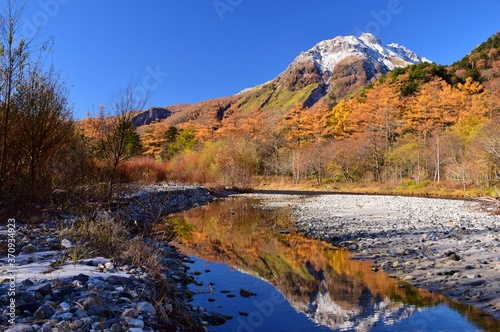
{"x": 144, "y": 252}
{"x": 105, "y": 236}
{"x": 102, "y": 234}
{"x": 431, "y": 189}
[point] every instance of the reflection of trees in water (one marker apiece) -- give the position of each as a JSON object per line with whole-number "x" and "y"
{"x": 316, "y": 278}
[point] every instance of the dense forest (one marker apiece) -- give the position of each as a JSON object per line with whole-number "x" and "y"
{"x": 416, "y": 125}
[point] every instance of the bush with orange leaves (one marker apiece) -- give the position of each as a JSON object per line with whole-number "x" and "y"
{"x": 142, "y": 170}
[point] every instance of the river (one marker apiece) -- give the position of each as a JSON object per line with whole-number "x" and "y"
{"x": 252, "y": 266}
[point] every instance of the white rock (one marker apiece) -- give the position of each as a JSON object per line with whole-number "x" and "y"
{"x": 66, "y": 244}
{"x": 77, "y": 284}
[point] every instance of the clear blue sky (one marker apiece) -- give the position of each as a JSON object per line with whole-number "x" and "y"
{"x": 187, "y": 51}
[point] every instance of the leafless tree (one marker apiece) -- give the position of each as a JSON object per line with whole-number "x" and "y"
{"x": 43, "y": 120}
{"x": 118, "y": 140}
{"x": 13, "y": 55}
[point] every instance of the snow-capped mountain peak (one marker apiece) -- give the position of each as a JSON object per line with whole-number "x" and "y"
{"x": 341, "y": 65}
{"x": 329, "y": 53}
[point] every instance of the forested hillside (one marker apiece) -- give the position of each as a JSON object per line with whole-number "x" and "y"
{"x": 418, "y": 124}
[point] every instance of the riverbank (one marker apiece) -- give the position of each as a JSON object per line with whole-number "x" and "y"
{"x": 451, "y": 247}
{"x": 59, "y": 278}
{"x": 406, "y": 187}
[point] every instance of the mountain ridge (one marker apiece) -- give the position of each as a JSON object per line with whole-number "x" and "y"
{"x": 333, "y": 68}
{"x": 327, "y": 54}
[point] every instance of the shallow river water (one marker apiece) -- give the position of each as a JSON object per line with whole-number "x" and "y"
{"x": 252, "y": 266}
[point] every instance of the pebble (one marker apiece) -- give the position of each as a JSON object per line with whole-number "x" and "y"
{"x": 130, "y": 312}
{"x": 66, "y": 244}
{"x": 134, "y": 322}
{"x": 146, "y": 308}
{"x": 20, "y": 328}
{"x": 44, "y": 312}
{"x": 29, "y": 248}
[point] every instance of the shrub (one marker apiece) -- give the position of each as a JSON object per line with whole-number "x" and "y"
{"x": 232, "y": 162}
{"x": 188, "y": 167}
{"x": 142, "y": 170}
{"x": 414, "y": 185}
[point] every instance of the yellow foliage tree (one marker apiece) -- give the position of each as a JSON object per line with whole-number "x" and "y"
{"x": 436, "y": 106}
{"x": 153, "y": 142}
{"x": 337, "y": 120}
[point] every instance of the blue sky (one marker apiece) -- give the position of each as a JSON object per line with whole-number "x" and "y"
{"x": 186, "y": 51}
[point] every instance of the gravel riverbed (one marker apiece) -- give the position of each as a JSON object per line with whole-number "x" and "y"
{"x": 451, "y": 247}
{"x": 53, "y": 290}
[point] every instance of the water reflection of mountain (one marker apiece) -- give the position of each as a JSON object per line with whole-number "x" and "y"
{"x": 316, "y": 278}
{"x": 324, "y": 310}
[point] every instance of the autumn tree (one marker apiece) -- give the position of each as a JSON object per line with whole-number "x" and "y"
{"x": 493, "y": 98}
{"x": 377, "y": 120}
{"x": 457, "y": 162}
{"x": 231, "y": 126}
{"x": 274, "y": 152}
{"x": 336, "y": 120}
{"x": 203, "y": 133}
{"x": 473, "y": 99}
{"x": 233, "y": 161}
{"x": 436, "y": 106}
{"x": 379, "y": 113}
{"x": 317, "y": 156}
{"x": 487, "y": 145}
{"x": 153, "y": 142}
{"x": 256, "y": 126}
{"x": 346, "y": 160}
{"x": 405, "y": 159}
{"x": 293, "y": 124}
{"x": 179, "y": 140}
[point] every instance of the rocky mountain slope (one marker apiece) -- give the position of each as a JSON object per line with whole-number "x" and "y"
{"x": 345, "y": 62}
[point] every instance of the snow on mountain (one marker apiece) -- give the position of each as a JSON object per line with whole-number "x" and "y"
{"x": 374, "y": 311}
{"x": 327, "y": 54}
{"x": 344, "y": 62}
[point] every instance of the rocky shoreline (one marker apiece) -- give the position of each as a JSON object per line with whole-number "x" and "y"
{"x": 451, "y": 247}
{"x": 56, "y": 290}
